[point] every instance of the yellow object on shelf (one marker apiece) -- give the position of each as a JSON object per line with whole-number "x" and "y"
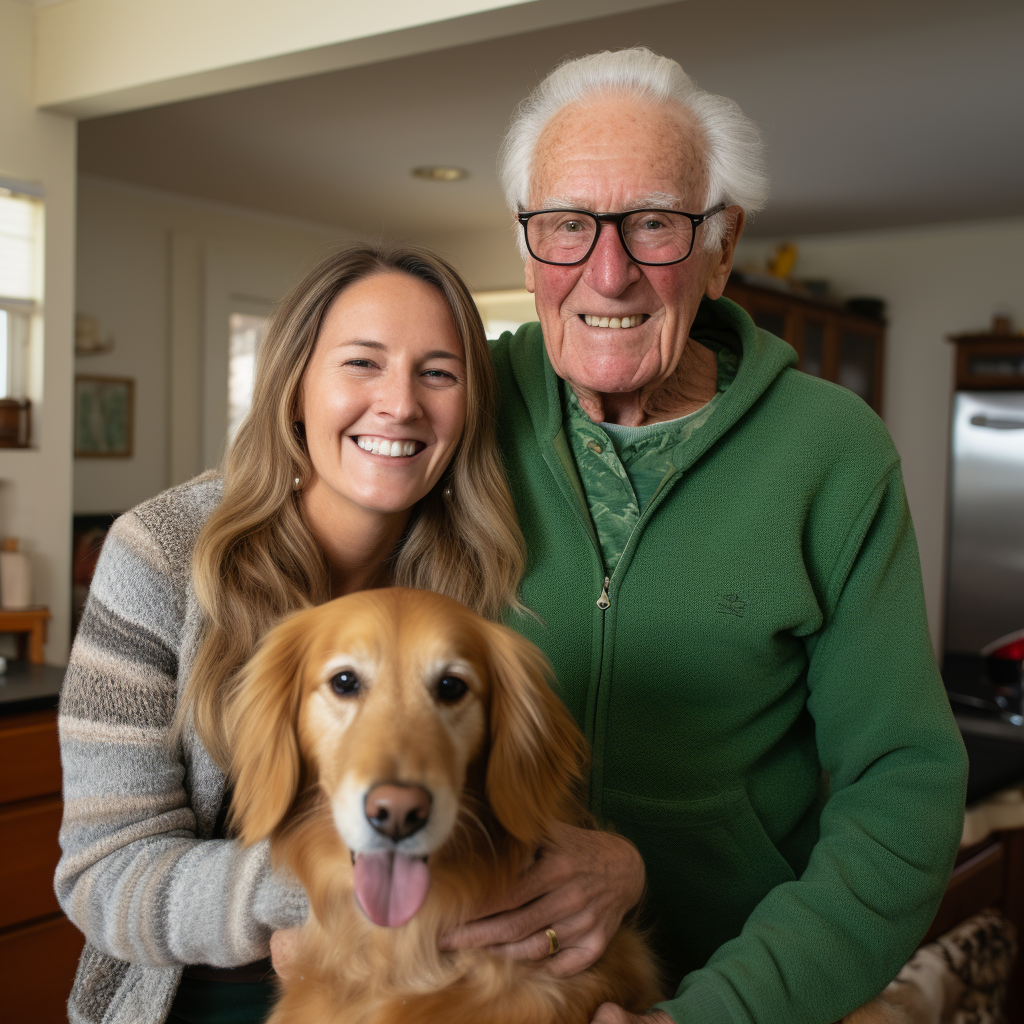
{"x": 783, "y": 261}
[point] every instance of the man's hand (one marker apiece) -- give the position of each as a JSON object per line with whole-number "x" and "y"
{"x": 581, "y": 885}
{"x": 609, "y": 1013}
{"x": 283, "y": 944}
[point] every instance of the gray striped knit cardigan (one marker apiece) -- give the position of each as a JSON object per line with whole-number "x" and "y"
{"x": 139, "y": 873}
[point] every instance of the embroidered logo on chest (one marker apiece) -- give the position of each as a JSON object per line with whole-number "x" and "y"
{"x": 732, "y": 604}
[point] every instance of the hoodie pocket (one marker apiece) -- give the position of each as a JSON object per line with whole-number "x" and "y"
{"x": 709, "y": 863}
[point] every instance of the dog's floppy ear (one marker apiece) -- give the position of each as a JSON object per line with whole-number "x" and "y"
{"x": 537, "y": 751}
{"x": 261, "y": 719}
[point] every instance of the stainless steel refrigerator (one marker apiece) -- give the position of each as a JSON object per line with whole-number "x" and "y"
{"x": 985, "y": 598}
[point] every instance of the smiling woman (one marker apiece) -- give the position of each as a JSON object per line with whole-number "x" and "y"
{"x": 383, "y": 406}
{"x": 367, "y": 458}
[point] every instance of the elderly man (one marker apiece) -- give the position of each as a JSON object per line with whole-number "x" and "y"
{"x": 726, "y": 579}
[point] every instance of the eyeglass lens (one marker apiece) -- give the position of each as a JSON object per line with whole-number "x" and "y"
{"x": 651, "y": 236}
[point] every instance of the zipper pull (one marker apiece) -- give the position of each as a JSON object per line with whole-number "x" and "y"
{"x": 602, "y": 601}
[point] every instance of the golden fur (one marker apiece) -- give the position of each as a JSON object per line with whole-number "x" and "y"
{"x": 507, "y": 757}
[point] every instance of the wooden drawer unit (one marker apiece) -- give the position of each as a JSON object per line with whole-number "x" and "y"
{"x": 37, "y": 965}
{"x": 39, "y": 947}
{"x": 28, "y": 859}
{"x": 29, "y": 756}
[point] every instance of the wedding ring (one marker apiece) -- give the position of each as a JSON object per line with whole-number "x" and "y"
{"x": 553, "y": 946}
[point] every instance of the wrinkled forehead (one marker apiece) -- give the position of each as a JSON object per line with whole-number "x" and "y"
{"x": 617, "y": 150}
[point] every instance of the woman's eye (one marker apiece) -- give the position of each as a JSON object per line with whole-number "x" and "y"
{"x": 359, "y": 363}
{"x": 451, "y": 689}
{"x": 442, "y": 377}
{"x": 345, "y": 683}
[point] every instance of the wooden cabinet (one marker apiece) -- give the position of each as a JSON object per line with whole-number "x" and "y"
{"x": 989, "y": 362}
{"x": 831, "y": 342}
{"x": 39, "y": 947}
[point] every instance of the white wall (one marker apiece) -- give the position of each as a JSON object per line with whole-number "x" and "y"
{"x": 488, "y": 259}
{"x": 102, "y": 56}
{"x": 936, "y": 281}
{"x": 35, "y": 493}
{"x": 160, "y": 272}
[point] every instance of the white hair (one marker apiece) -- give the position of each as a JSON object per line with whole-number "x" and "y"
{"x": 732, "y": 148}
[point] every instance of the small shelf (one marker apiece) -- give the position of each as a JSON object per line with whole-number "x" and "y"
{"x": 989, "y": 362}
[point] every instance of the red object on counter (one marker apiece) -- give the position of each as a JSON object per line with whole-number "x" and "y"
{"x": 1009, "y": 647}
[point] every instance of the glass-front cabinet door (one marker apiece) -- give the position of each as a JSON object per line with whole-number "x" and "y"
{"x": 812, "y": 358}
{"x": 858, "y": 363}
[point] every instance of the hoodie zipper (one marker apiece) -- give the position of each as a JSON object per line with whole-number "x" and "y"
{"x": 604, "y": 601}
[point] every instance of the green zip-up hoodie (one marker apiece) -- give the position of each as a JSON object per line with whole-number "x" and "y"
{"x": 765, "y": 624}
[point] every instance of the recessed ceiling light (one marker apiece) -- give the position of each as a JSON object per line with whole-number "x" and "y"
{"x": 440, "y": 173}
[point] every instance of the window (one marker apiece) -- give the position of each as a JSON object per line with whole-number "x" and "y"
{"x": 247, "y": 331}
{"x": 504, "y": 310}
{"x": 21, "y": 292}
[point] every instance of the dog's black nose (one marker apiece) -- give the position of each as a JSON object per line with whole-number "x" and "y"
{"x": 397, "y": 810}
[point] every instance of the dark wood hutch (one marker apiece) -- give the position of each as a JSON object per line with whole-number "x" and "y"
{"x": 833, "y": 342}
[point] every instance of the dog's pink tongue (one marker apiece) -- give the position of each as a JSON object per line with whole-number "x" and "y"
{"x": 390, "y": 887}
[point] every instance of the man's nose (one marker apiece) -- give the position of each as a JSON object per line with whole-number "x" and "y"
{"x": 609, "y": 270}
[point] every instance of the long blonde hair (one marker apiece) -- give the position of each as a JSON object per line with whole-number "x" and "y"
{"x": 256, "y": 560}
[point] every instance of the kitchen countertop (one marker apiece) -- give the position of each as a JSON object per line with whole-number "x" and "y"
{"x": 992, "y": 731}
{"x": 27, "y": 687}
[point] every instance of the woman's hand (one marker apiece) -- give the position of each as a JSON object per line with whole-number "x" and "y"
{"x": 609, "y": 1013}
{"x": 283, "y": 944}
{"x": 581, "y": 885}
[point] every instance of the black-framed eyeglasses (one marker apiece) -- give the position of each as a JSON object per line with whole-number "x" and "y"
{"x": 653, "y": 238}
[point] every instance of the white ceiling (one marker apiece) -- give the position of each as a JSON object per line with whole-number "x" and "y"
{"x": 877, "y": 113}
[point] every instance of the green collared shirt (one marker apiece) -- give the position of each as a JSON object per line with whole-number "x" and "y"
{"x": 622, "y": 468}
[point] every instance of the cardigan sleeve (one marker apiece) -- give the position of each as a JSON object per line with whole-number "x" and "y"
{"x": 133, "y": 875}
{"x": 817, "y": 947}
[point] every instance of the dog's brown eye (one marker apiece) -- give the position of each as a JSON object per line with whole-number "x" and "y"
{"x": 451, "y": 689}
{"x": 345, "y": 684}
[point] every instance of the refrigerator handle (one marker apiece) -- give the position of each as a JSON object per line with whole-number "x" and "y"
{"x": 997, "y": 424}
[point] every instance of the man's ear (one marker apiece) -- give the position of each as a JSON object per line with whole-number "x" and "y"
{"x": 735, "y": 218}
{"x": 528, "y": 273}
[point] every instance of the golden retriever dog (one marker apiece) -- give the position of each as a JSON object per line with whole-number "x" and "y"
{"x": 407, "y": 759}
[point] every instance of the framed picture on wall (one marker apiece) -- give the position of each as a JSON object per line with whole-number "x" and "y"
{"x": 104, "y": 416}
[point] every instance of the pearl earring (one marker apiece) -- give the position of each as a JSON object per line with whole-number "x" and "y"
{"x": 297, "y": 483}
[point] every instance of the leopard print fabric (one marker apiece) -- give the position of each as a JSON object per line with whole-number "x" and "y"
{"x": 960, "y": 978}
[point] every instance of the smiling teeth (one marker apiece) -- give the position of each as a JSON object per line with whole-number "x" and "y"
{"x": 614, "y": 321}
{"x": 382, "y": 446}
